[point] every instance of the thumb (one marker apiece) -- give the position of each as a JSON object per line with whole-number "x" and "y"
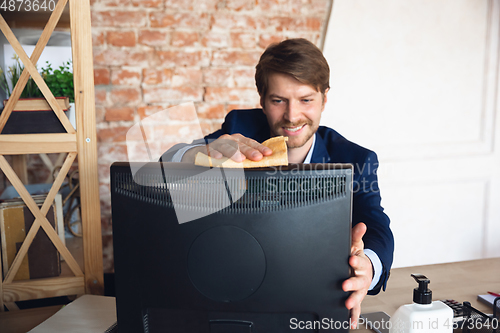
{"x": 358, "y": 231}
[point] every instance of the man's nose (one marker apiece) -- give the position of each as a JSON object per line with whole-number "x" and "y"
{"x": 292, "y": 113}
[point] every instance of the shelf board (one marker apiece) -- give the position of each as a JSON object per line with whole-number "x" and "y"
{"x": 34, "y": 19}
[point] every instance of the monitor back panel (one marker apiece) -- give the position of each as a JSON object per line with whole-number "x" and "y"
{"x": 271, "y": 261}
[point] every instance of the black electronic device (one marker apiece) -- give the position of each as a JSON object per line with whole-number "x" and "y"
{"x": 376, "y": 321}
{"x": 229, "y": 250}
{"x": 457, "y": 307}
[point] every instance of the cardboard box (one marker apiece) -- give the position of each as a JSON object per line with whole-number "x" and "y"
{"x": 42, "y": 259}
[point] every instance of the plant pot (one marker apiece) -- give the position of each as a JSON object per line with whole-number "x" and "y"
{"x": 34, "y": 115}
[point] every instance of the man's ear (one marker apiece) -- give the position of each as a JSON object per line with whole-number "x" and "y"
{"x": 263, "y": 103}
{"x": 325, "y": 98}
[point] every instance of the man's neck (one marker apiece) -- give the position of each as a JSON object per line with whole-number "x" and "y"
{"x": 298, "y": 155}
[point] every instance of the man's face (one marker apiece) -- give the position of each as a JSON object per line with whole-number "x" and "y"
{"x": 293, "y": 109}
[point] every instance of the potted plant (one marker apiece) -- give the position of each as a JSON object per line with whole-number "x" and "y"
{"x": 60, "y": 81}
{"x": 32, "y": 113}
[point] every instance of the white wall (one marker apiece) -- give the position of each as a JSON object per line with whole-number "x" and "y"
{"x": 418, "y": 82}
{"x": 57, "y": 51}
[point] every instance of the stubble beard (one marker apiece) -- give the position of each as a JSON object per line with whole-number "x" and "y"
{"x": 292, "y": 141}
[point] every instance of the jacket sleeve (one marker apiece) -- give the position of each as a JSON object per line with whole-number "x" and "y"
{"x": 367, "y": 209}
{"x": 169, "y": 154}
{"x": 250, "y": 123}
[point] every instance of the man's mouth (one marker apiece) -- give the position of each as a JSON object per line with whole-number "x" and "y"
{"x": 294, "y": 129}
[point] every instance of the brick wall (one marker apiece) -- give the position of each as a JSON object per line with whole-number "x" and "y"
{"x": 153, "y": 54}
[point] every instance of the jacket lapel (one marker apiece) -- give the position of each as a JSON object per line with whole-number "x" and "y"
{"x": 320, "y": 154}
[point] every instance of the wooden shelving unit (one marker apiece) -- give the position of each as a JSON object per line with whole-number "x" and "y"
{"x": 79, "y": 142}
{"x": 34, "y": 19}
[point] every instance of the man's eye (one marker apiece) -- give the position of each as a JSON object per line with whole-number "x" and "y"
{"x": 277, "y": 101}
{"x": 307, "y": 100}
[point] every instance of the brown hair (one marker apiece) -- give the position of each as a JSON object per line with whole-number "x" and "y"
{"x": 297, "y": 57}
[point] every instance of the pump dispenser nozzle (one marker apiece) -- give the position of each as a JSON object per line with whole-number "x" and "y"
{"x": 422, "y": 294}
{"x": 423, "y": 310}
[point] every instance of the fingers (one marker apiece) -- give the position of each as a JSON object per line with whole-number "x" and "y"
{"x": 226, "y": 147}
{"x": 213, "y": 153}
{"x": 358, "y": 231}
{"x": 363, "y": 272}
{"x": 253, "y": 146}
{"x": 356, "y": 283}
{"x": 353, "y": 302}
{"x": 360, "y": 282}
{"x": 253, "y": 152}
{"x": 251, "y": 149}
{"x": 237, "y": 147}
{"x": 355, "y": 313}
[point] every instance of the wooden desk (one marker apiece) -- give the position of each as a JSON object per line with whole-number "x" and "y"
{"x": 461, "y": 281}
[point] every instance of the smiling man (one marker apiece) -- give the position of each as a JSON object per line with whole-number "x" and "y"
{"x": 292, "y": 79}
{"x": 293, "y": 110}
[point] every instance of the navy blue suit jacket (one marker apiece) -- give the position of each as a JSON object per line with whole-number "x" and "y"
{"x": 331, "y": 147}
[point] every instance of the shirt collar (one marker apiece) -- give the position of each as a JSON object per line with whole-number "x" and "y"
{"x": 310, "y": 153}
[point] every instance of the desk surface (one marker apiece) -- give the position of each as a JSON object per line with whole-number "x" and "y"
{"x": 461, "y": 281}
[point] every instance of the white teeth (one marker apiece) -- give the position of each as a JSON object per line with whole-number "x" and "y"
{"x": 293, "y": 129}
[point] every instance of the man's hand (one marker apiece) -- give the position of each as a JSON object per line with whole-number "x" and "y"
{"x": 363, "y": 274}
{"x": 235, "y": 146}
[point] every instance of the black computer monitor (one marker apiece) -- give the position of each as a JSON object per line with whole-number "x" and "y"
{"x": 229, "y": 250}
